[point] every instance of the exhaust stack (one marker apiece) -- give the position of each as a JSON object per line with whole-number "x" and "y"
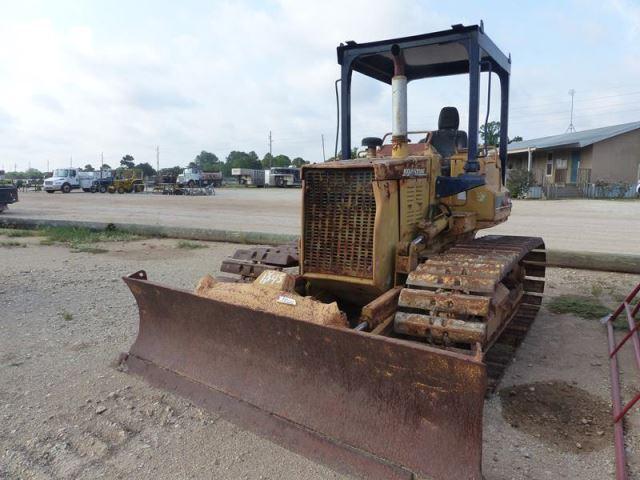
{"x": 399, "y": 105}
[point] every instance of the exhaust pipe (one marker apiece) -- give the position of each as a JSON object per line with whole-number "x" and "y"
{"x": 399, "y": 105}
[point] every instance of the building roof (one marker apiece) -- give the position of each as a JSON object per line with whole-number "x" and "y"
{"x": 580, "y": 139}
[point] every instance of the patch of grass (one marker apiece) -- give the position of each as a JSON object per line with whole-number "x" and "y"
{"x": 619, "y": 297}
{"x": 596, "y": 289}
{"x": 13, "y": 244}
{"x": 190, "y": 245}
{"x": 66, "y": 316}
{"x": 78, "y": 235}
{"x": 88, "y": 249}
{"x": 584, "y": 307}
{"x": 80, "y": 239}
{"x": 17, "y": 233}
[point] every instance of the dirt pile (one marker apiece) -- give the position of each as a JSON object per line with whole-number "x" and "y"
{"x": 559, "y": 414}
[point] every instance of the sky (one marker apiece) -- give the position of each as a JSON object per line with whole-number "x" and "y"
{"x": 83, "y": 78}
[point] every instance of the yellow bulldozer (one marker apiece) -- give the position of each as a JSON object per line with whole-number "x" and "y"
{"x": 371, "y": 343}
{"x": 129, "y": 180}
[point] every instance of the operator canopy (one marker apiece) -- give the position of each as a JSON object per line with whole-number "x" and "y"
{"x": 459, "y": 50}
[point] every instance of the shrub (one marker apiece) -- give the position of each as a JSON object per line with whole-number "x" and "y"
{"x": 519, "y": 182}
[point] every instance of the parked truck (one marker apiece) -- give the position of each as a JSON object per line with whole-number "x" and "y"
{"x": 67, "y": 179}
{"x": 8, "y": 193}
{"x": 195, "y": 177}
{"x": 63, "y": 180}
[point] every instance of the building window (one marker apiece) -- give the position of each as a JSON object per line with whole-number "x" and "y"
{"x": 549, "y": 163}
{"x": 561, "y": 163}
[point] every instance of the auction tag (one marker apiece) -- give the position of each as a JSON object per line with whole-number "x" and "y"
{"x": 286, "y": 300}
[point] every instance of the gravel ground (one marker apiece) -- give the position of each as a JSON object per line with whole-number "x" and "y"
{"x": 584, "y": 225}
{"x": 67, "y": 412}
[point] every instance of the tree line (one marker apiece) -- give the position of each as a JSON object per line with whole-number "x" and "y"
{"x": 209, "y": 162}
{"x": 206, "y": 161}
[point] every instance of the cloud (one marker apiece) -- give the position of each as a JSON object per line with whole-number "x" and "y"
{"x": 219, "y": 76}
{"x": 48, "y": 102}
{"x": 150, "y": 99}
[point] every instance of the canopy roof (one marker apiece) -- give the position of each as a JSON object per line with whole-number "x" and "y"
{"x": 429, "y": 55}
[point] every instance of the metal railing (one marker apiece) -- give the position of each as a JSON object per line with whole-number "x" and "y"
{"x": 584, "y": 176}
{"x": 619, "y": 408}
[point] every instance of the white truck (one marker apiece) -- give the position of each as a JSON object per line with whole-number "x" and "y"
{"x": 67, "y": 179}
{"x": 194, "y": 177}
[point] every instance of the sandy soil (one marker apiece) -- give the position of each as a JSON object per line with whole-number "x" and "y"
{"x": 67, "y": 412}
{"x": 585, "y": 225}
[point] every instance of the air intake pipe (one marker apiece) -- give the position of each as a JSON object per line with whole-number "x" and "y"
{"x": 399, "y": 105}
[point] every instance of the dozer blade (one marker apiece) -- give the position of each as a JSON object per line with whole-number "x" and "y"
{"x": 368, "y": 405}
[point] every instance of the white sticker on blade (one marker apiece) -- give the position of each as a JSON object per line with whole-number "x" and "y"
{"x": 286, "y": 300}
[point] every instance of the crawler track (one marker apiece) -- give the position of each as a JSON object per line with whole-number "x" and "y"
{"x": 482, "y": 293}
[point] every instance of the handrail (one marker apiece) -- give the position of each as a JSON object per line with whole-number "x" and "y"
{"x": 620, "y": 410}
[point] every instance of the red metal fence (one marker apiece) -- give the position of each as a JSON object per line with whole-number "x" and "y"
{"x": 620, "y": 409}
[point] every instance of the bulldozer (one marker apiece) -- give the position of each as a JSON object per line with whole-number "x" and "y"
{"x": 129, "y": 180}
{"x": 371, "y": 343}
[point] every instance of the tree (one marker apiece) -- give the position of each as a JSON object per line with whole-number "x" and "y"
{"x": 207, "y": 161}
{"x": 88, "y": 168}
{"x": 354, "y": 154}
{"x": 173, "y": 171}
{"x": 147, "y": 169}
{"x": 281, "y": 161}
{"x": 33, "y": 174}
{"x": 267, "y": 161}
{"x": 298, "y": 162}
{"x": 517, "y": 138}
{"x": 492, "y": 134}
{"x": 127, "y": 161}
{"x": 105, "y": 166}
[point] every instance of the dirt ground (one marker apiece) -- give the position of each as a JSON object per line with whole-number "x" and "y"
{"x": 584, "y": 225}
{"x": 67, "y": 412}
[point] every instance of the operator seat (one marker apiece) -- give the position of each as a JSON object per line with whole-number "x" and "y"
{"x": 448, "y": 139}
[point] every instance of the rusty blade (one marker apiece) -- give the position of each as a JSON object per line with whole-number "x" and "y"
{"x": 368, "y": 405}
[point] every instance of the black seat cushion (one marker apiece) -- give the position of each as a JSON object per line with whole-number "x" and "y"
{"x": 447, "y": 139}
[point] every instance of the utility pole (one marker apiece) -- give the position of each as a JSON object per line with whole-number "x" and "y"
{"x": 270, "y": 143}
{"x": 47, "y": 165}
{"x": 71, "y": 161}
{"x": 157, "y": 158}
{"x": 324, "y": 159}
{"x": 571, "y": 128}
{"x": 101, "y": 160}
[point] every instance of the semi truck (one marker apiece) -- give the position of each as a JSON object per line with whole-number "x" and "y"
{"x": 195, "y": 177}
{"x": 67, "y": 179}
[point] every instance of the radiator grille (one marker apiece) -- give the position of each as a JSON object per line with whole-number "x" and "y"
{"x": 339, "y": 216}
